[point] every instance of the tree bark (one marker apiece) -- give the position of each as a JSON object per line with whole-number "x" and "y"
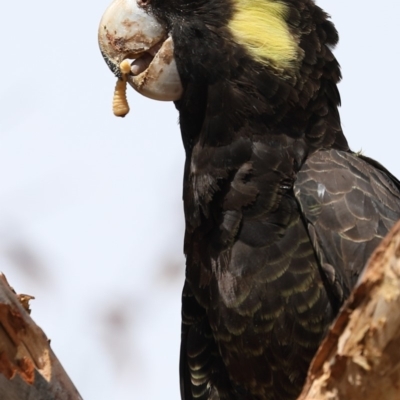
{"x": 360, "y": 357}
{"x": 28, "y": 367}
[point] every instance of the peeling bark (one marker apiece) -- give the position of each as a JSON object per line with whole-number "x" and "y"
{"x": 28, "y": 367}
{"x": 360, "y": 357}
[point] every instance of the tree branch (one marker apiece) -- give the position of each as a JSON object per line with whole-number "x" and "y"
{"x": 28, "y": 367}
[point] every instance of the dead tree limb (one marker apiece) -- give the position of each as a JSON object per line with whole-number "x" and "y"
{"x": 360, "y": 357}
{"x": 28, "y": 367}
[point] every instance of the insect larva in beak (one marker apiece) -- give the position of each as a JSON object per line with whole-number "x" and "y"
{"x": 120, "y": 103}
{"x": 125, "y": 67}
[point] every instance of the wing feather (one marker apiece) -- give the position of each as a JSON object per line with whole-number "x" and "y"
{"x": 349, "y": 203}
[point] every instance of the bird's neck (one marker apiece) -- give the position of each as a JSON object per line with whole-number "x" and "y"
{"x": 217, "y": 115}
{"x": 228, "y": 132}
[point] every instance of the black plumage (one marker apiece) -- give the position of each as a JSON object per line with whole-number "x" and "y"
{"x": 281, "y": 216}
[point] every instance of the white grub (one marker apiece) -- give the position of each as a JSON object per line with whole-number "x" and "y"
{"x": 120, "y": 103}
{"x": 125, "y": 67}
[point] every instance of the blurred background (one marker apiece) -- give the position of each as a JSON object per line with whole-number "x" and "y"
{"x": 91, "y": 219}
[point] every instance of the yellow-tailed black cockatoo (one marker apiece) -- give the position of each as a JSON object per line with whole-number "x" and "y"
{"x": 281, "y": 216}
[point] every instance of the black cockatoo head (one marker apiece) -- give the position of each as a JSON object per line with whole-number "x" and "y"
{"x": 271, "y": 58}
{"x": 207, "y": 40}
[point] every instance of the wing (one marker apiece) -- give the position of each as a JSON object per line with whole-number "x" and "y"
{"x": 349, "y": 203}
{"x": 252, "y": 272}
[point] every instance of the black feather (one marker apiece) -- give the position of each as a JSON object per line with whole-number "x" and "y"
{"x": 281, "y": 216}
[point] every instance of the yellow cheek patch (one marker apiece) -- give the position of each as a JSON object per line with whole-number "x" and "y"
{"x": 261, "y": 27}
{"x": 120, "y": 103}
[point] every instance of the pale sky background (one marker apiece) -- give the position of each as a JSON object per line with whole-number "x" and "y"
{"x": 91, "y": 219}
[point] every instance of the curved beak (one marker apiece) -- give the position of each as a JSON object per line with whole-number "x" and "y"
{"x": 128, "y": 32}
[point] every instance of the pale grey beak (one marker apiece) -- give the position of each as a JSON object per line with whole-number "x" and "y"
{"x": 127, "y": 31}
